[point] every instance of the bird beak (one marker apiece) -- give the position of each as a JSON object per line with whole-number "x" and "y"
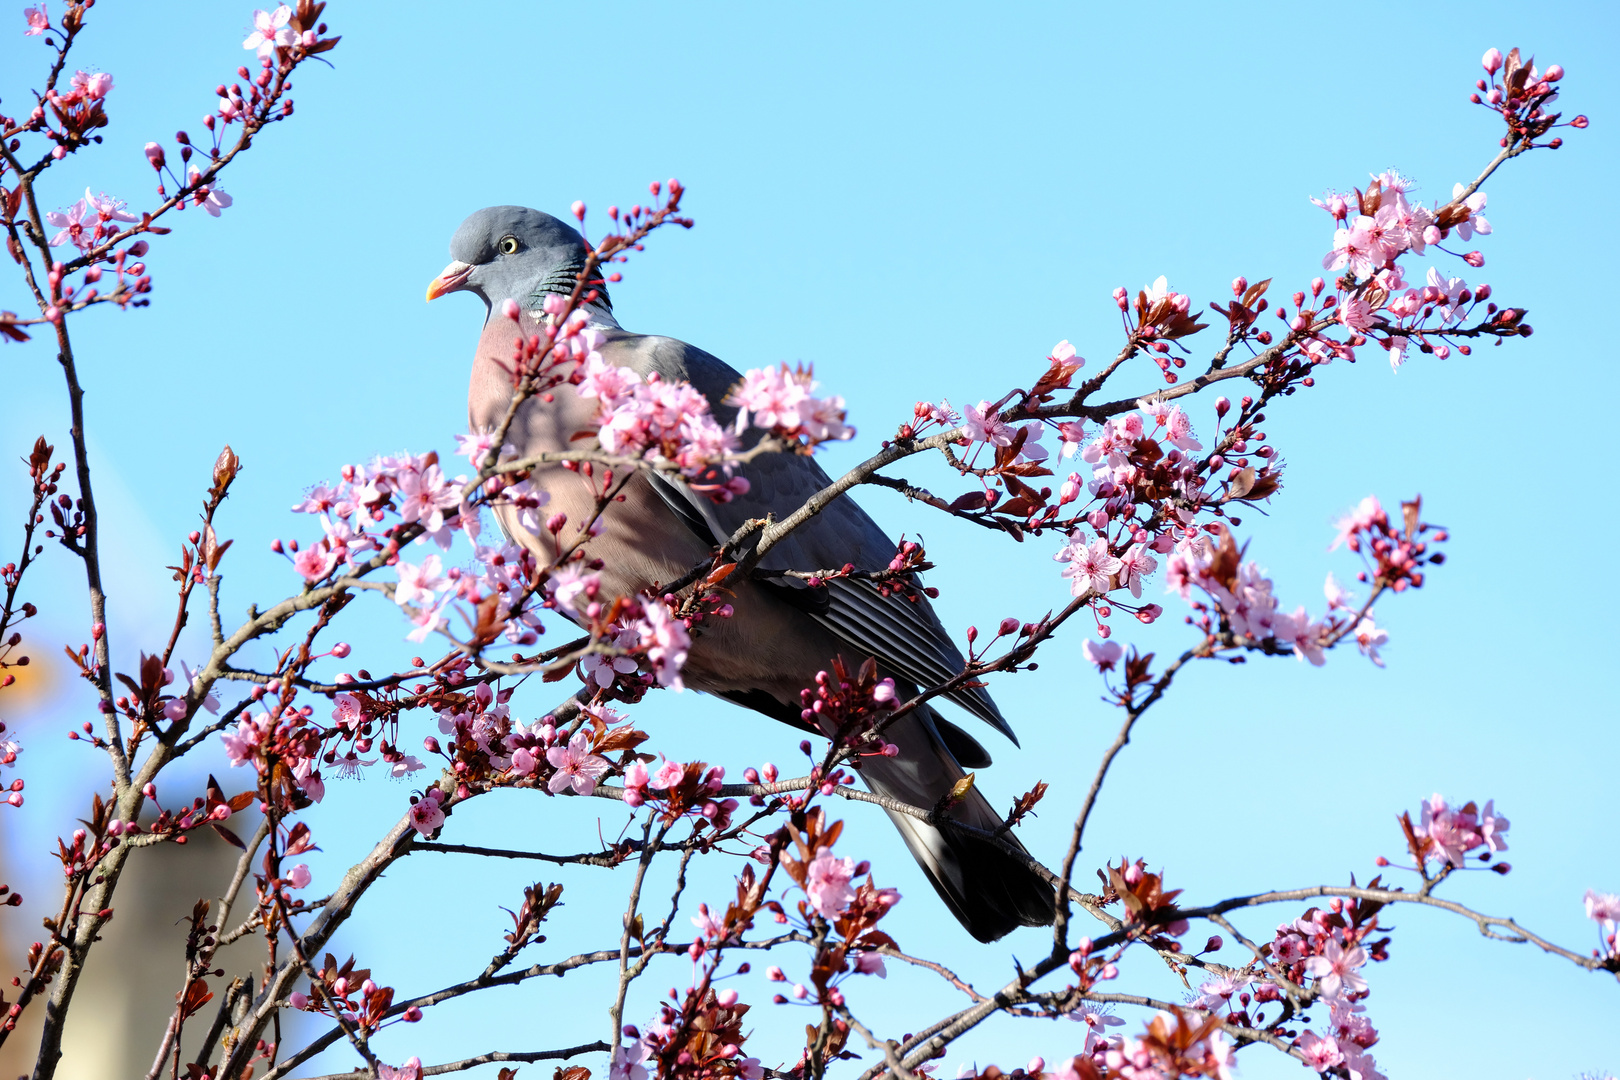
{"x": 453, "y": 278}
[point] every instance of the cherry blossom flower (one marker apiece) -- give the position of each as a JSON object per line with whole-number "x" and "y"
{"x": 194, "y": 680}
{"x": 669, "y": 774}
{"x": 419, "y": 584}
{"x": 1454, "y": 832}
{"x": 1449, "y": 291}
{"x": 1334, "y": 204}
{"x": 826, "y": 883}
{"x": 1603, "y": 908}
{"x": 73, "y": 222}
{"x": 1367, "y": 513}
{"x": 426, "y": 495}
{"x": 1476, "y": 222}
{"x": 1335, "y": 969}
{"x": 1492, "y": 826}
{"x": 38, "y": 20}
{"x": 406, "y": 765}
{"x": 349, "y": 713}
{"x": 1104, "y": 655}
{"x": 668, "y": 643}
{"x": 1369, "y": 637}
{"x": 298, "y": 877}
{"x": 314, "y": 562}
{"x": 771, "y": 395}
{"x": 244, "y": 744}
{"x": 270, "y": 30}
{"x": 1072, "y": 435}
{"x": 576, "y": 766}
{"x": 211, "y": 197}
{"x": 1337, "y": 596}
{"x": 1320, "y": 1054}
{"x": 426, "y": 815}
{"x": 871, "y": 963}
{"x": 412, "y": 1069}
{"x": 984, "y": 424}
{"x": 707, "y": 924}
{"x": 629, "y": 1060}
{"x": 476, "y": 446}
{"x": 601, "y": 669}
{"x": 1135, "y": 565}
{"x": 1090, "y": 568}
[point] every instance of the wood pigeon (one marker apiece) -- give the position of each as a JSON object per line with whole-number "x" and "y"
{"x": 781, "y": 633}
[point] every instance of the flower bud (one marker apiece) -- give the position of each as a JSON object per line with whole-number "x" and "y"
{"x": 154, "y": 154}
{"x": 1491, "y": 61}
{"x": 578, "y": 209}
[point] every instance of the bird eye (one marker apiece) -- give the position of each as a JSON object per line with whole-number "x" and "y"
{"x": 508, "y": 245}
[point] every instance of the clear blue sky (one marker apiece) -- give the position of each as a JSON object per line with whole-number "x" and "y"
{"x": 921, "y": 200}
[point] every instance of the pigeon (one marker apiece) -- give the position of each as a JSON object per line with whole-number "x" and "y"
{"x": 782, "y": 631}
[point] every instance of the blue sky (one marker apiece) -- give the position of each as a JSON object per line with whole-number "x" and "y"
{"x": 920, "y": 200}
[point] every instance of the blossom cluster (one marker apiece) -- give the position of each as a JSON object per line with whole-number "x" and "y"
{"x": 1447, "y": 834}
{"x": 778, "y": 400}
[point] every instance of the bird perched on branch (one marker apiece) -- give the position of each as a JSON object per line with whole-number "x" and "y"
{"x": 781, "y": 633}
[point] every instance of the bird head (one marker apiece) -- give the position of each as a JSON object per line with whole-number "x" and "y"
{"x": 513, "y": 252}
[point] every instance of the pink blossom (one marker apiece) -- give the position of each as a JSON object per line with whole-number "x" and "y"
{"x": 827, "y": 884}
{"x": 1105, "y": 655}
{"x": 426, "y": 815}
{"x": 984, "y": 424}
{"x": 668, "y": 643}
{"x": 576, "y": 766}
{"x": 1335, "y": 969}
{"x": 1320, "y": 1054}
{"x": 476, "y": 446}
{"x": 426, "y": 495}
{"x": 1063, "y": 352}
{"x": 211, "y": 197}
{"x": 772, "y": 395}
{"x": 404, "y": 767}
{"x": 349, "y": 713}
{"x": 1367, "y": 513}
{"x": 244, "y": 744}
{"x": 38, "y": 20}
{"x": 73, "y": 222}
{"x": 1369, "y": 637}
{"x": 1135, "y": 565}
{"x": 1178, "y": 429}
{"x": 314, "y": 562}
{"x": 1491, "y": 827}
{"x": 1356, "y": 313}
{"x": 1071, "y": 434}
{"x": 412, "y": 1069}
{"x": 871, "y": 963}
{"x": 707, "y": 924}
{"x": 270, "y": 30}
{"x": 1337, "y": 597}
{"x": 611, "y": 386}
{"x": 1476, "y": 222}
{"x": 629, "y": 1059}
{"x": 1603, "y": 908}
{"x": 298, "y": 877}
{"x": 1454, "y": 832}
{"x": 602, "y": 669}
{"x": 1090, "y": 568}
{"x": 419, "y": 584}
{"x": 669, "y": 774}
{"x": 1334, "y": 204}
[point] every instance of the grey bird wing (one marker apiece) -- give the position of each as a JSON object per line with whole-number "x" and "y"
{"x": 904, "y": 635}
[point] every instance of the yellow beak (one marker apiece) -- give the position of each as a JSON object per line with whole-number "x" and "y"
{"x": 452, "y": 278}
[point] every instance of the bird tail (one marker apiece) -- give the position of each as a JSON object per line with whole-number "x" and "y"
{"x": 987, "y": 887}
